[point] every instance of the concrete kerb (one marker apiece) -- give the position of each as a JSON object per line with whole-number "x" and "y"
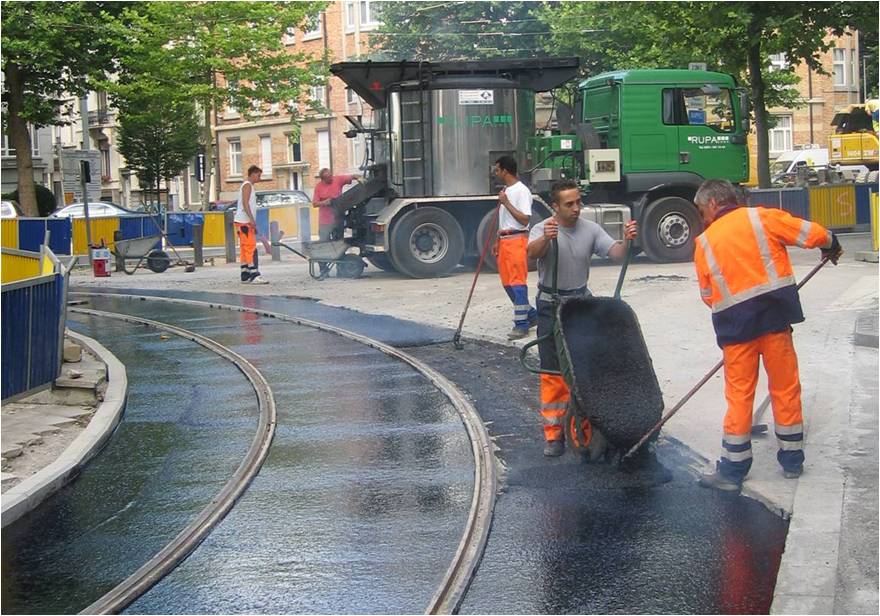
{"x": 26, "y": 495}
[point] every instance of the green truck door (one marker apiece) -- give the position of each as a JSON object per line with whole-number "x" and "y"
{"x": 648, "y": 144}
{"x": 707, "y": 131}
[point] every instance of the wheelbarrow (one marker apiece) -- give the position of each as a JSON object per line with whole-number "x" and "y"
{"x": 605, "y": 363}
{"x": 142, "y": 249}
{"x": 331, "y": 252}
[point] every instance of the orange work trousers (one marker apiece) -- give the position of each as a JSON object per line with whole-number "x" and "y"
{"x": 740, "y": 379}
{"x": 513, "y": 268}
{"x": 247, "y": 241}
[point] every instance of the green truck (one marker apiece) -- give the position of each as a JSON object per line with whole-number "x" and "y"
{"x": 640, "y": 142}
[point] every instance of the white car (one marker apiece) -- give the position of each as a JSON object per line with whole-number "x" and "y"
{"x": 98, "y": 209}
{"x": 7, "y": 210}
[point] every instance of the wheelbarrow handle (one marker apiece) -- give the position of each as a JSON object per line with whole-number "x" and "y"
{"x": 523, "y": 356}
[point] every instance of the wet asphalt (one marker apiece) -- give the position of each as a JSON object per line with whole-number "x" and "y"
{"x": 360, "y": 511}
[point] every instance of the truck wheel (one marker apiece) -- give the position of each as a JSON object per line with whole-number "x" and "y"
{"x": 670, "y": 227}
{"x": 158, "y": 261}
{"x": 426, "y": 242}
{"x": 490, "y": 263}
{"x": 382, "y": 261}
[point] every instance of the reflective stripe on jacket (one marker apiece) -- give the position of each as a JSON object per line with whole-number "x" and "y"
{"x": 745, "y": 274}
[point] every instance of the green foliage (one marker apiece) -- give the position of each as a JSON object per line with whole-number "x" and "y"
{"x": 56, "y": 49}
{"x": 458, "y": 30}
{"x": 158, "y": 138}
{"x": 215, "y": 53}
{"x": 46, "y": 203}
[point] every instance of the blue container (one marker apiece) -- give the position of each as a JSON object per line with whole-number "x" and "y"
{"x": 131, "y": 227}
{"x": 60, "y": 235}
{"x": 179, "y": 227}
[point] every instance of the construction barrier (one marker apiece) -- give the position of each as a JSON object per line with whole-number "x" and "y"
{"x": 864, "y": 194}
{"x": 214, "y": 231}
{"x": 875, "y": 215}
{"x": 29, "y": 233}
{"x": 102, "y": 232}
{"x": 833, "y": 207}
{"x": 9, "y": 233}
{"x": 32, "y": 324}
{"x": 19, "y": 264}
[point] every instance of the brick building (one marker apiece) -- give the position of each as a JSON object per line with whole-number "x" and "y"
{"x": 266, "y": 141}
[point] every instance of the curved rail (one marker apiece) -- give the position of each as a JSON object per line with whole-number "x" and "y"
{"x": 470, "y": 549}
{"x": 195, "y": 532}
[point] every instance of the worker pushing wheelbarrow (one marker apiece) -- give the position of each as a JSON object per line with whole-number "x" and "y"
{"x": 597, "y": 379}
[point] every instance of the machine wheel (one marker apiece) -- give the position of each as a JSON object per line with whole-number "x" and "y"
{"x": 158, "y": 261}
{"x": 426, "y": 243}
{"x": 382, "y": 261}
{"x": 671, "y": 225}
{"x": 490, "y": 263}
{"x": 350, "y": 266}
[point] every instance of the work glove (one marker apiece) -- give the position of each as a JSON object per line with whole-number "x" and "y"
{"x": 833, "y": 253}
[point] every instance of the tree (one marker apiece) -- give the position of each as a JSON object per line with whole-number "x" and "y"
{"x": 51, "y": 50}
{"x": 734, "y": 37}
{"x": 457, "y": 30}
{"x": 215, "y": 54}
{"x": 158, "y": 138}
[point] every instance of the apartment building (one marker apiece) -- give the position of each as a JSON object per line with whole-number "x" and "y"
{"x": 823, "y": 95}
{"x": 268, "y": 141}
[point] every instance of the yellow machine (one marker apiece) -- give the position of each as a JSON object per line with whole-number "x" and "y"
{"x": 854, "y": 141}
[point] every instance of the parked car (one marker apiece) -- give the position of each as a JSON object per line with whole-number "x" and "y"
{"x": 221, "y": 206}
{"x": 98, "y": 209}
{"x": 282, "y": 197}
{"x": 7, "y": 210}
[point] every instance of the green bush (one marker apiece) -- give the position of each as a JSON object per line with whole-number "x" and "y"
{"x": 46, "y": 203}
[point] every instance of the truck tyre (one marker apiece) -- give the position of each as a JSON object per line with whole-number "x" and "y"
{"x": 382, "y": 261}
{"x": 490, "y": 263}
{"x": 670, "y": 227}
{"x": 426, "y": 242}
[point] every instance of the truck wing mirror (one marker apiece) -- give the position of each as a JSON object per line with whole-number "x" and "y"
{"x": 744, "y": 110}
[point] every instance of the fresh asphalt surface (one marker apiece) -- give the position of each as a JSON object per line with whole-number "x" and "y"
{"x": 365, "y": 492}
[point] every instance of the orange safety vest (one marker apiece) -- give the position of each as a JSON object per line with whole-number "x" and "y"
{"x": 745, "y": 274}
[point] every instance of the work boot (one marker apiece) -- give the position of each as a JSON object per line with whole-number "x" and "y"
{"x": 533, "y": 322}
{"x": 518, "y": 333}
{"x": 792, "y": 473}
{"x": 554, "y": 449}
{"x": 717, "y": 481}
{"x": 596, "y": 449}
{"x": 259, "y": 280}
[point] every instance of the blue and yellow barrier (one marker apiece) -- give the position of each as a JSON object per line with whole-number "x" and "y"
{"x": 836, "y": 206}
{"x": 875, "y": 215}
{"x": 102, "y": 232}
{"x": 19, "y": 265}
{"x": 833, "y": 207}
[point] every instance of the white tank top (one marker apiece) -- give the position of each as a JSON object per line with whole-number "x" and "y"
{"x": 240, "y": 214}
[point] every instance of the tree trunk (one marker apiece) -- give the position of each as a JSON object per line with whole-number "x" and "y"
{"x": 209, "y": 158}
{"x": 20, "y": 139}
{"x": 758, "y": 90}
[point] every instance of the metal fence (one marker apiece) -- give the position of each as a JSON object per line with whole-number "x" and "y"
{"x": 33, "y": 320}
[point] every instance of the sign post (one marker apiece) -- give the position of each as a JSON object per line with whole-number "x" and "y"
{"x": 85, "y": 177}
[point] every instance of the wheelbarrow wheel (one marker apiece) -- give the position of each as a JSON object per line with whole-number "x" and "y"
{"x": 158, "y": 261}
{"x": 350, "y": 266}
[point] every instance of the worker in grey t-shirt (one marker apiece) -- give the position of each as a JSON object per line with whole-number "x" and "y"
{"x": 577, "y": 240}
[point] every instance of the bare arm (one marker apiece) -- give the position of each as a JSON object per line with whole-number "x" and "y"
{"x": 618, "y": 251}
{"x": 538, "y": 248}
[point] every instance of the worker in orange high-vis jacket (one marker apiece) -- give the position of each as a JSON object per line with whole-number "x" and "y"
{"x": 514, "y": 214}
{"x": 577, "y": 240}
{"x": 746, "y": 278}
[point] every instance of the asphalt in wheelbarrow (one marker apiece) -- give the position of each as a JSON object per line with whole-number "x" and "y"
{"x": 611, "y": 374}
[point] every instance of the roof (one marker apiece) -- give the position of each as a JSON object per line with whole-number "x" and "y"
{"x": 659, "y": 76}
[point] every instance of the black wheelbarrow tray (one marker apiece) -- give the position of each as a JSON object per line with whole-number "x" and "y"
{"x": 605, "y": 363}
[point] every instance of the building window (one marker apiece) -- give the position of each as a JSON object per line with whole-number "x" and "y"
{"x": 266, "y": 155}
{"x": 781, "y": 134}
{"x": 294, "y": 151}
{"x": 368, "y": 13}
{"x": 323, "y": 149}
{"x": 349, "y": 15}
{"x": 778, "y": 62}
{"x": 295, "y": 181}
{"x": 235, "y": 157}
{"x": 289, "y": 36}
{"x": 318, "y": 95}
{"x": 839, "y": 67}
{"x": 350, "y": 97}
{"x": 105, "y": 163}
{"x": 6, "y": 150}
{"x": 366, "y": 10}
{"x": 315, "y": 32}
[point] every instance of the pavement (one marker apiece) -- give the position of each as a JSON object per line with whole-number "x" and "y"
{"x": 830, "y": 561}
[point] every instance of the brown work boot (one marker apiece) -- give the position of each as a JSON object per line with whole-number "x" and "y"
{"x": 717, "y": 481}
{"x": 554, "y": 449}
{"x": 518, "y": 333}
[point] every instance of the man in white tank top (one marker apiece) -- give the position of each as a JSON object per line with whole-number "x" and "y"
{"x": 246, "y": 227}
{"x": 514, "y": 213}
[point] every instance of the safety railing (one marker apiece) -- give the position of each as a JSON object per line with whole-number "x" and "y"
{"x": 33, "y": 321}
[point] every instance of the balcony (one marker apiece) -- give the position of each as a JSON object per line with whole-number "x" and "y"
{"x": 101, "y": 117}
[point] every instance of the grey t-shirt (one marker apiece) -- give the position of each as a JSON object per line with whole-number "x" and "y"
{"x": 577, "y": 245}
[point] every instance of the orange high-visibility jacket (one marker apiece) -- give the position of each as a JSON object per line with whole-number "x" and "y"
{"x": 745, "y": 274}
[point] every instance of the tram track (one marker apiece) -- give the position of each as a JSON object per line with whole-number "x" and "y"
{"x": 188, "y": 539}
{"x": 466, "y": 559}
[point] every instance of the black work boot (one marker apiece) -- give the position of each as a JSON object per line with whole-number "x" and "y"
{"x": 554, "y": 449}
